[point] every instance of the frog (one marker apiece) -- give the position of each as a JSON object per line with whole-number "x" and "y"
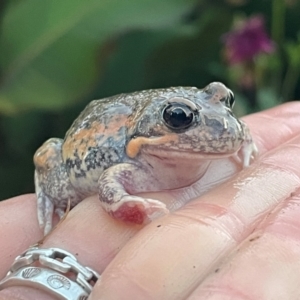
{"x": 146, "y": 141}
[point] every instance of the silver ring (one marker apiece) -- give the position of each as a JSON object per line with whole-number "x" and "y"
{"x": 52, "y": 270}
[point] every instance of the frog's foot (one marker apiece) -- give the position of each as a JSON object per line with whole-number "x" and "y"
{"x": 119, "y": 183}
{"x": 138, "y": 210}
{"x": 45, "y": 212}
{"x": 248, "y": 150}
{"x": 45, "y": 208}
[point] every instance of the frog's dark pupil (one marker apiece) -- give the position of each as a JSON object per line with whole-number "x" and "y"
{"x": 178, "y": 116}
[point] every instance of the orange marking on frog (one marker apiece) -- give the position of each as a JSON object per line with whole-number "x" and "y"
{"x": 45, "y": 156}
{"x": 134, "y": 146}
{"x": 85, "y": 138}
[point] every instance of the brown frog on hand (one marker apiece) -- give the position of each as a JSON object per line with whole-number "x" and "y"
{"x": 151, "y": 140}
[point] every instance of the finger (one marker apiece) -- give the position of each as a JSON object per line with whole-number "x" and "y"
{"x": 88, "y": 232}
{"x": 18, "y": 228}
{"x": 274, "y": 126}
{"x": 169, "y": 258}
{"x": 86, "y": 225}
{"x": 265, "y": 266}
{"x": 94, "y": 235}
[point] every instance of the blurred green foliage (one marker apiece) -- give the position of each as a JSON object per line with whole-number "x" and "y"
{"x": 56, "y": 56}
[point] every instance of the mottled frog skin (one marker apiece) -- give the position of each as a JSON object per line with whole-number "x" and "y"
{"x": 151, "y": 140}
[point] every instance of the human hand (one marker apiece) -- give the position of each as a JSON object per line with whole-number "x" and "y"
{"x": 240, "y": 240}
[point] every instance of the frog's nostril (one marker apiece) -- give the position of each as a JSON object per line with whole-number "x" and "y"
{"x": 178, "y": 116}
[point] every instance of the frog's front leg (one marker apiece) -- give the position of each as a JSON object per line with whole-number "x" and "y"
{"x": 116, "y": 186}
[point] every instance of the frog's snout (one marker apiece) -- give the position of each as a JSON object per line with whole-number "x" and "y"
{"x": 219, "y": 92}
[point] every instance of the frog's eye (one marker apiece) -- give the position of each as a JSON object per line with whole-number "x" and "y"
{"x": 178, "y": 115}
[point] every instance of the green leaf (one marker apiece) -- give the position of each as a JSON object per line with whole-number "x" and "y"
{"x": 49, "y": 49}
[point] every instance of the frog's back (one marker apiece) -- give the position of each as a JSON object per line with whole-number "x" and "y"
{"x": 108, "y": 115}
{"x": 128, "y": 105}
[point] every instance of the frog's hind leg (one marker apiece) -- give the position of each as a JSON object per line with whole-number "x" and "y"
{"x": 52, "y": 185}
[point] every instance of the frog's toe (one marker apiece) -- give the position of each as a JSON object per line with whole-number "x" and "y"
{"x": 138, "y": 210}
{"x": 60, "y": 212}
{"x": 45, "y": 209}
{"x": 249, "y": 151}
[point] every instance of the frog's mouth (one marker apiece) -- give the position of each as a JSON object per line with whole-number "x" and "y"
{"x": 165, "y": 146}
{"x": 196, "y": 155}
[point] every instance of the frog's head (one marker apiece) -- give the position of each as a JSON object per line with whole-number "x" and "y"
{"x": 189, "y": 120}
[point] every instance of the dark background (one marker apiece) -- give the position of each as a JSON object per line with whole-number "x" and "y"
{"x": 56, "y": 56}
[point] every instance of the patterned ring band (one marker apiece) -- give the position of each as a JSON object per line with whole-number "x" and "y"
{"x": 52, "y": 270}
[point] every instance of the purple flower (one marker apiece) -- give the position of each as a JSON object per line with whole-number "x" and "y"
{"x": 248, "y": 40}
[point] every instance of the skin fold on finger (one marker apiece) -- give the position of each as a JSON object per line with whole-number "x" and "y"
{"x": 169, "y": 258}
{"x": 265, "y": 266}
{"x": 95, "y": 235}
